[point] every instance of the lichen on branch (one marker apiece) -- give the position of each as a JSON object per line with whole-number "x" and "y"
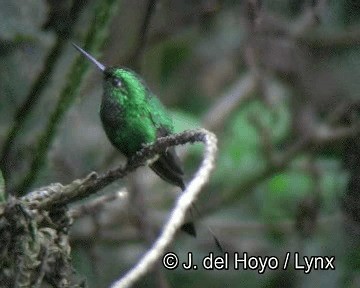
{"x": 42, "y": 209}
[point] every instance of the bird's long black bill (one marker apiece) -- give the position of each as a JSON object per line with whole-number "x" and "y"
{"x": 88, "y": 56}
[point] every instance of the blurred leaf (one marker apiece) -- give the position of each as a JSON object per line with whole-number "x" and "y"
{"x": 184, "y": 121}
{"x": 282, "y": 192}
{"x": 334, "y": 181}
{"x": 173, "y": 55}
{"x": 289, "y": 184}
{"x": 241, "y": 153}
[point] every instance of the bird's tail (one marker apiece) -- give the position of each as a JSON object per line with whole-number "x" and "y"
{"x": 168, "y": 167}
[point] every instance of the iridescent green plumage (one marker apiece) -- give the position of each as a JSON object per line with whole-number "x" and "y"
{"x": 132, "y": 116}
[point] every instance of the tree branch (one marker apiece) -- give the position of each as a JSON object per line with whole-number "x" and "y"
{"x": 137, "y": 53}
{"x": 59, "y": 195}
{"x": 45, "y": 210}
{"x": 178, "y": 214}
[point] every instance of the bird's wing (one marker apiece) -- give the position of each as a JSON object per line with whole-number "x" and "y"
{"x": 170, "y": 153}
{"x": 168, "y": 165}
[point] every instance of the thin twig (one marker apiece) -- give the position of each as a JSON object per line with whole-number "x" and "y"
{"x": 95, "y": 38}
{"x": 321, "y": 40}
{"x": 236, "y": 96}
{"x": 266, "y": 140}
{"x": 92, "y": 207}
{"x": 135, "y": 58}
{"x": 23, "y": 112}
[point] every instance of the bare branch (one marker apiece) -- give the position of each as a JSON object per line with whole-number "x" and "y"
{"x": 137, "y": 53}
{"x": 265, "y": 137}
{"x": 96, "y": 204}
{"x": 343, "y": 39}
{"x": 237, "y": 95}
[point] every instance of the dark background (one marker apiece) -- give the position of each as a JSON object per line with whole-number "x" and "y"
{"x": 277, "y": 81}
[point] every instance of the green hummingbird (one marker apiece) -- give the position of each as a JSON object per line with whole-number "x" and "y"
{"x": 133, "y": 116}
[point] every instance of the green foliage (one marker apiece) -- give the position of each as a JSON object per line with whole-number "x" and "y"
{"x": 177, "y": 51}
{"x": 241, "y": 154}
{"x": 333, "y": 183}
{"x": 184, "y": 121}
{"x": 281, "y": 194}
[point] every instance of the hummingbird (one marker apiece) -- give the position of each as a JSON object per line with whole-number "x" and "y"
{"x": 132, "y": 116}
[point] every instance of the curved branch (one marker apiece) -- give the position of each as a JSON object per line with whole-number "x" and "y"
{"x": 56, "y": 195}
{"x": 178, "y": 214}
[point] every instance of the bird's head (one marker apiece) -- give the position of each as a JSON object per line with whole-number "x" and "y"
{"x": 121, "y": 83}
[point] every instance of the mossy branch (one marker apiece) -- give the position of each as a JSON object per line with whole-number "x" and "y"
{"x": 44, "y": 217}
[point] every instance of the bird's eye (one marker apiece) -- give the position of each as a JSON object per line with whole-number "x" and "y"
{"x": 116, "y": 82}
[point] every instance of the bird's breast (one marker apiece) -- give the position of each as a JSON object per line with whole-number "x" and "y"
{"x": 111, "y": 114}
{"x": 121, "y": 127}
